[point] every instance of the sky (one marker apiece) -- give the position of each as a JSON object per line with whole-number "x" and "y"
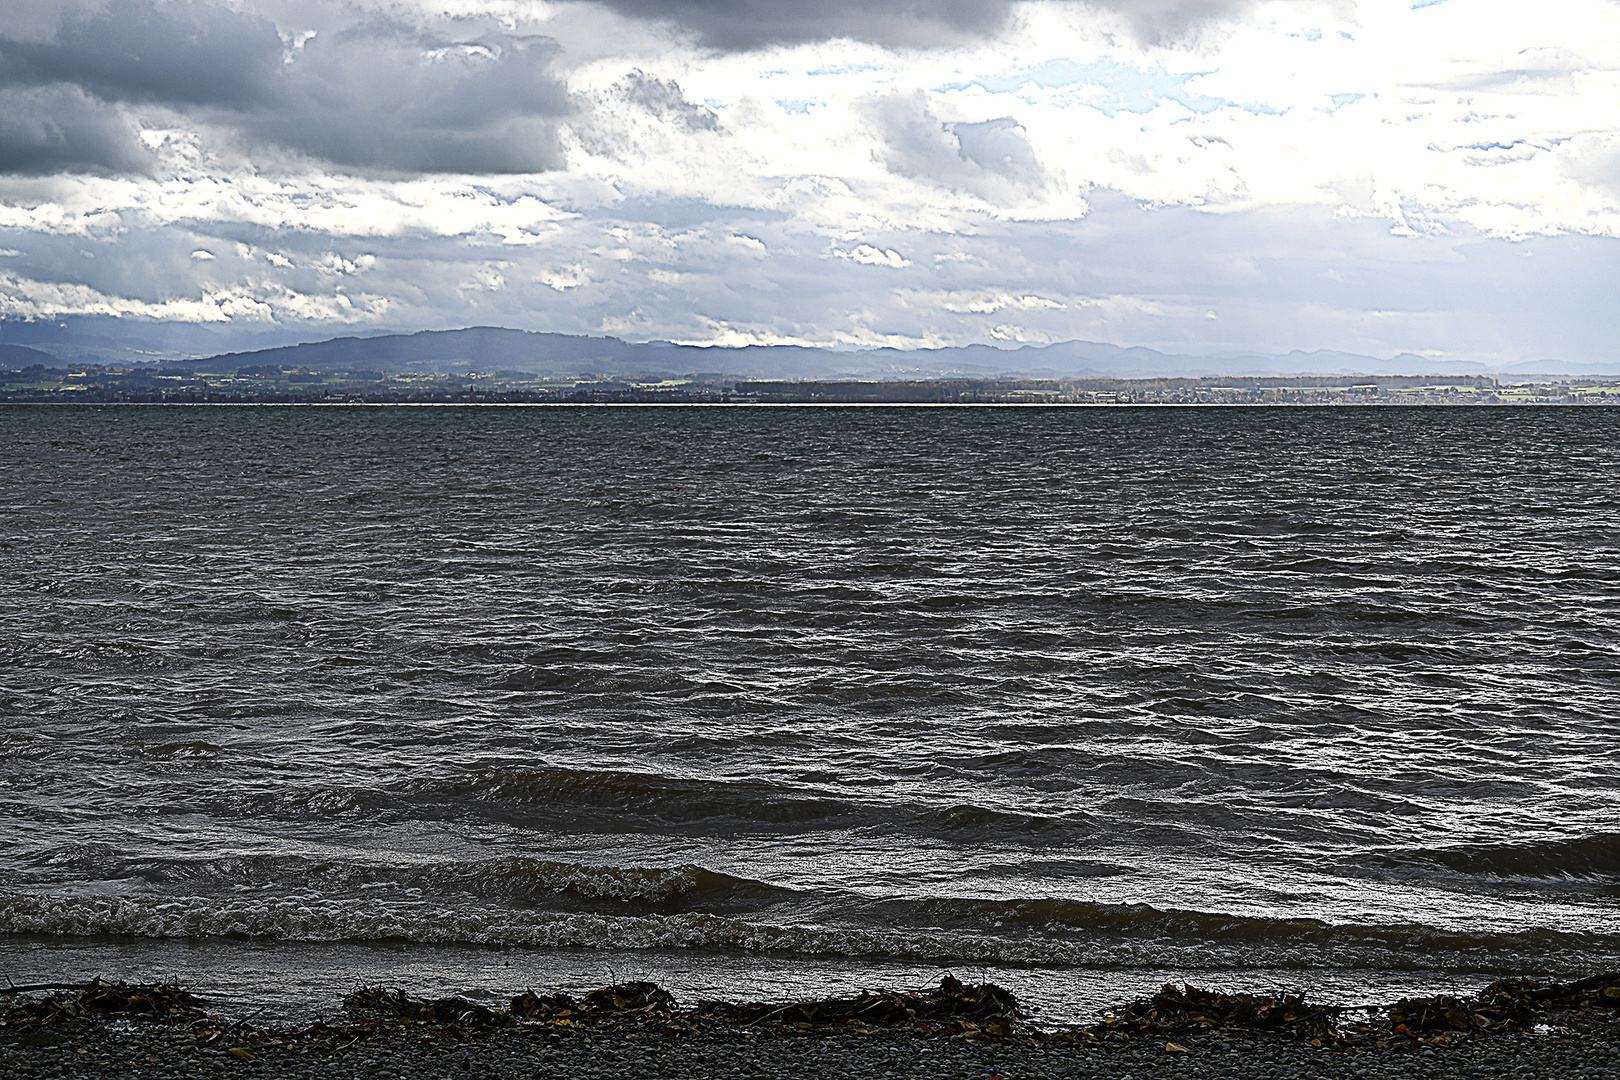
{"x": 1204, "y": 177}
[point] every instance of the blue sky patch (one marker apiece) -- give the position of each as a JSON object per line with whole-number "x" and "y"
{"x": 1126, "y": 89}
{"x": 846, "y": 69}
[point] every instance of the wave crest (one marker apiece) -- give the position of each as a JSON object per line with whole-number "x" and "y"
{"x": 1133, "y": 935}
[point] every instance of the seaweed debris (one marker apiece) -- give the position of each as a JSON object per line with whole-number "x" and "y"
{"x": 971, "y": 1012}
{"x": 620, "y": 1002}
{"x": 103, "y": 1000}
{"x": 1190, "y": 1010}
{"x": 398, "y": 1005}
{"x": 1440, "y": 1020}
{"x": 978, "y": 1011}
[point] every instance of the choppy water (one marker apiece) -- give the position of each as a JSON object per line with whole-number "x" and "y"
{"x": 758, "y": 699}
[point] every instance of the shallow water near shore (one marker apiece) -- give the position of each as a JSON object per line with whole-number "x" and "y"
{"x": 757, "y": 702}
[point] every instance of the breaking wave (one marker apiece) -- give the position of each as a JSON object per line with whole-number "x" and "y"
{"x": 1132, "y": 935}
{"x": 513, "y": 879}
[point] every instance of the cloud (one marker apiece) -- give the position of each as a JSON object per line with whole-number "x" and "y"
{"x": 753, "y": 24}
{"x": 405, "y": 87}
{"x": 370, "y": 93}
{"x": 48, "y": 129}
{"x": 1160, "y": 22}
{"x": 992, "y": 159}
{"x": 642, "y": 119}
{"x": 406, "y": 164}
{"x": 138, "y": 51}
{"x": 1594, "y": 160}
{"x": 1119, "y": 275}
{"x": 867, "y": 255}
{"x": 989, "y": 301}
{"x": 1000, "y": 146}
{"x": 664, "y": 99}
{"x": 372, "y": 98}
{"x": 739, "y": 25}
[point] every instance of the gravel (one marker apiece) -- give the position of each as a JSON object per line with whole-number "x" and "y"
{"x": 1588, "y": 1049}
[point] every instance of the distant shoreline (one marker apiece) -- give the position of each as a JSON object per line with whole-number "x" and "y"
{"x": 265, "y": 384}
{"x": 746, "y": 405}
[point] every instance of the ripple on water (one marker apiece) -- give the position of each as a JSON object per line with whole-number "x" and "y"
{"x": 1015, "y": 687}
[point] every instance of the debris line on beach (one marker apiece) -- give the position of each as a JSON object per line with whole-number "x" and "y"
{"x": 1176, "y": 1017}
{"x": 1440, "y": 1020}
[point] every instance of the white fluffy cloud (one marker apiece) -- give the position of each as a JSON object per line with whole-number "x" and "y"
{"x": 749, "y": 170}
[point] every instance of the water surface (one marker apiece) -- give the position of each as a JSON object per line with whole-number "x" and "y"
{"x": 755, "y": 700}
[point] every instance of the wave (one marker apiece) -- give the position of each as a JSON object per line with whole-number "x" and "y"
{"x": 1596, "y": 856}
{"x": 614, "y": 798}
{"x": 668, "y": 798}
{"x": 1178, "y": 939}
{"x": 513, "y": 878}
{"x": 626, "y": 802}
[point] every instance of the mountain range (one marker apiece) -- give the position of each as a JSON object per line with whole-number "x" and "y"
{"x": 494, "y": 349}
{"x": 491, "y": 349}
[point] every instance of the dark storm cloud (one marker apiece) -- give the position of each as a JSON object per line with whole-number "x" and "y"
{"x": 380, "y": 95}
{"x": 389, "y": 92}
{"x": 752, "y": 24}
{"x": 139, "y": 52}
{"x": 1161, "y": 22}
{"x": 370, "y": 99}
{"x": 56, "y": 128}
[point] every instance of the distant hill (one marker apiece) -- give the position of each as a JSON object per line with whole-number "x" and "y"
{"x": 105, "y": 339}
{"x": 494, "y": 349}
{"x": 16, "y": 357}
{"x": 478, "y": 348}
{"x": 486, "y": 348}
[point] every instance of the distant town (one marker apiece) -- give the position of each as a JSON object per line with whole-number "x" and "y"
{"x": 273, "y": 384}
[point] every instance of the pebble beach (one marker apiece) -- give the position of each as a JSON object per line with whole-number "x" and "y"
{"x": 56, "y": 1036}
{"x": 1591, "y": 1054}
